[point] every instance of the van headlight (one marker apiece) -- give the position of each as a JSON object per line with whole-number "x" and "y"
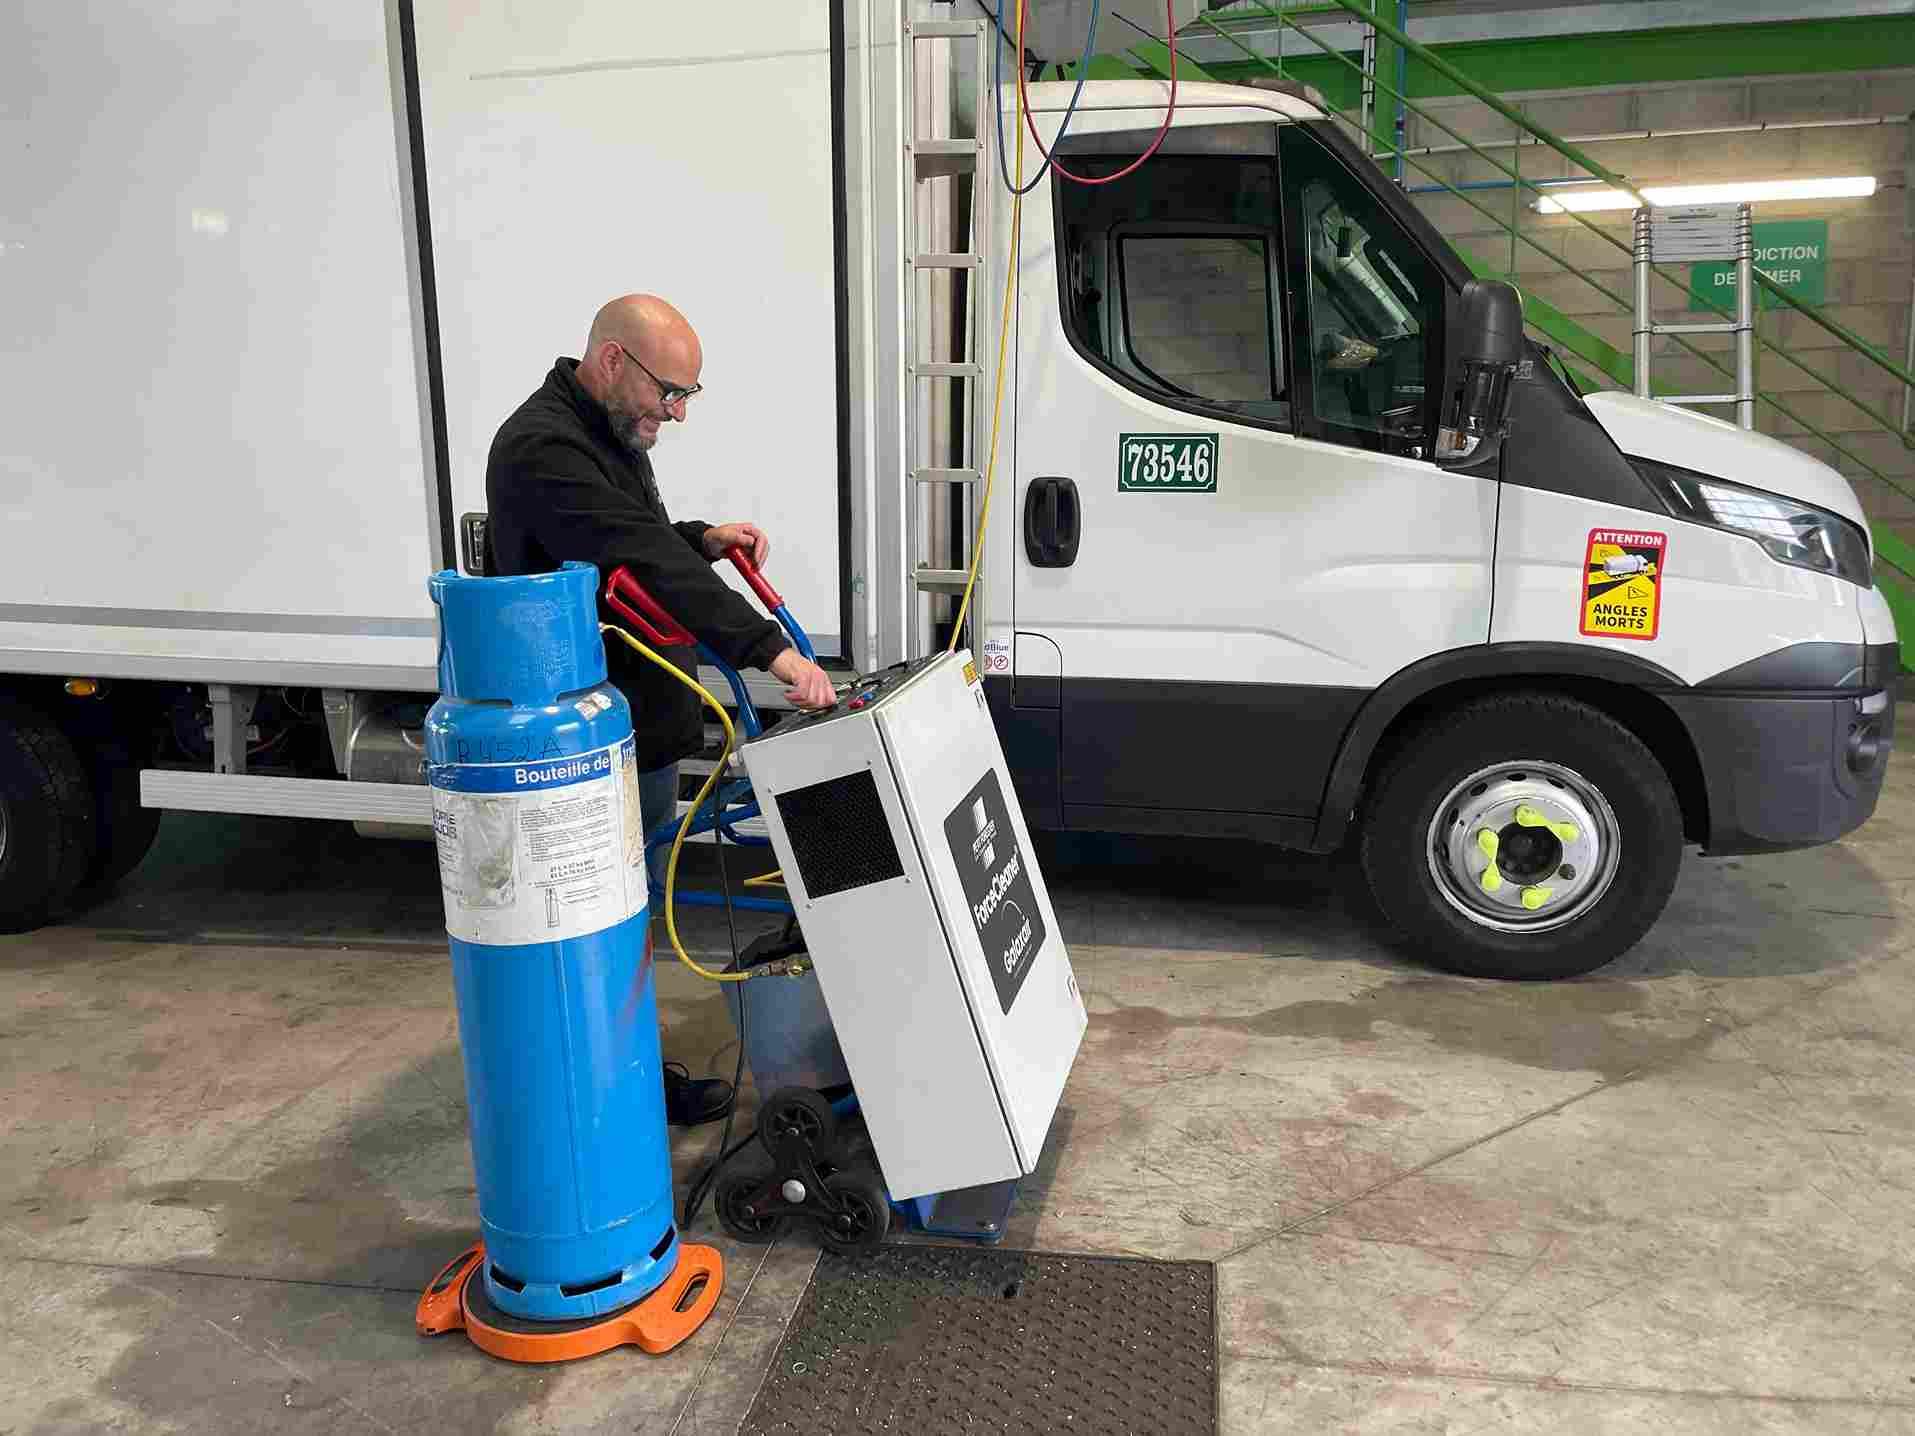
{"x": 1793, "y": 532}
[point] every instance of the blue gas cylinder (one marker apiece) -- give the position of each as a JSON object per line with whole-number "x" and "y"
{"x": 542, "y": 857}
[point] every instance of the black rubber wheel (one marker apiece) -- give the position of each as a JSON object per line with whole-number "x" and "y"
{"x": 48, "y": 828}
{"x": 801, "y": 1112}
{"x": 126, "y": 828}
{"x": 729, "y": 1199}
{"x": 1485, "y": 786}
{"x": 867, "y": 1211}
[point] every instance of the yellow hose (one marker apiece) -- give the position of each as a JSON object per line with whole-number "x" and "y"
{"x": 770, "y": 969}
{"x": 1003, "y": 333}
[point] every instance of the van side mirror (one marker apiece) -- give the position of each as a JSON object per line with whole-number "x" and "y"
{"x": 1477, "y": 387}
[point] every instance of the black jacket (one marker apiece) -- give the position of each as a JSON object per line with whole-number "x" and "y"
{"x": 559, "y": 486}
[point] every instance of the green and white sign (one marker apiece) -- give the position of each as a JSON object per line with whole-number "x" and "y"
{"x": 1792, "y": 252}
{"x": 1166, "y": 463}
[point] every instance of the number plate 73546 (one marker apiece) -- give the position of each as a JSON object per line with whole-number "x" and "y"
{"x": 1167, "y": 463}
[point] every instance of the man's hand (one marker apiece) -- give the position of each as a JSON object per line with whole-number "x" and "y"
{"x": 748, "y": 537}
{"x": 810, "y": 686}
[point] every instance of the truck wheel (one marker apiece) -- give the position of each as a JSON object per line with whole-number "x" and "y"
{"x": 47, "y": 827}
{"x": 126, "y": 829}
{"x": 1524, "y": 836}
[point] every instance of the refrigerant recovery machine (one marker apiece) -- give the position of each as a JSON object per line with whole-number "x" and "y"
{"x": 938, "y": 953}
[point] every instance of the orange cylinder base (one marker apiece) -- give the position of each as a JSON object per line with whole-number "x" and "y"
{"x": 455, "y": 1301}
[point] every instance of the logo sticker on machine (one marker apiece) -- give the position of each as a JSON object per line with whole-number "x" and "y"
{"x": 1166, "y": 463}
{"x": 997, "y": 884}
{"x": 1622, "y": 583}
{"x": 539, "y": 851}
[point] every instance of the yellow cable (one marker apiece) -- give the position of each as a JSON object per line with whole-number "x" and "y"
{"x": 774, "y": 878}
{"x": 1003, "y": 334}
{"x": 685, "y": 823}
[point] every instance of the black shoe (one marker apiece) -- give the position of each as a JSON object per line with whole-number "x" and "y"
{"x": 691, "y": 1101}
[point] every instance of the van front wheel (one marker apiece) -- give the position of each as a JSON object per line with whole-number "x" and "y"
{"x": 1524, "y": 836}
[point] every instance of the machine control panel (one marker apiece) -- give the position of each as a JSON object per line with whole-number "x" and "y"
{"x": 858, "y": 696}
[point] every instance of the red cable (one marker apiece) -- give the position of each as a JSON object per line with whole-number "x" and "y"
{"x": 1023, "y": 95}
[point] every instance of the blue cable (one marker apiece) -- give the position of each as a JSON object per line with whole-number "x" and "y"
{"x": 997, "y": 66}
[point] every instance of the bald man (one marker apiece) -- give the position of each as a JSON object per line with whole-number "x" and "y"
{"x": 570, "y": 477}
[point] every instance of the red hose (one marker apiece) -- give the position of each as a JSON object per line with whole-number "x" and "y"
{"x": 1024, "y": 101}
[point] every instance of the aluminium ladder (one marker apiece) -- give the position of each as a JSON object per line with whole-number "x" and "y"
{"x": 1692, "y": 233}
{"x": 932, "y": 157}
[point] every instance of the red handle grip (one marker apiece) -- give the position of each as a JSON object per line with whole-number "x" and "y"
{"x": 628, "y": 598}
{"x": 767, "y": 595}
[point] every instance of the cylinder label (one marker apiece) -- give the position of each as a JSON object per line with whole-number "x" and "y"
{"x": 539, "y": 852}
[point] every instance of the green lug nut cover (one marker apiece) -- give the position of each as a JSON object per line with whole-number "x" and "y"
{"x": 1530, "y": 817}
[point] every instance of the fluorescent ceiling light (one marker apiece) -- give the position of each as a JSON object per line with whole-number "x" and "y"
{"x": 1664, "y": 196}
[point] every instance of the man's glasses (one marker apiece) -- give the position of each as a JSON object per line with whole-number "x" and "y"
{"x": 668, "y": 394}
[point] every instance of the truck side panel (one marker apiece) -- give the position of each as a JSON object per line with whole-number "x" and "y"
{"x": 211, "y": 359}
{"x": 683, "y": 151}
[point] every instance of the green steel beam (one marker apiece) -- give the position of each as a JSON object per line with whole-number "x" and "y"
{"x": 1556, "y": 62}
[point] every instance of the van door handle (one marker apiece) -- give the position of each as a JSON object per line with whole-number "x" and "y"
{"x": 1053, "y": 520}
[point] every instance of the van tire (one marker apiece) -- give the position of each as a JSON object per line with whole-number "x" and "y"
{"x": 47, "y": 812}
{"x": 1401, "y": 849}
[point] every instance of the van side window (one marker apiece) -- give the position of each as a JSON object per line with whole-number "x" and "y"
{"x": 1171, "y": 276}
{"x": 1372, "y": 310}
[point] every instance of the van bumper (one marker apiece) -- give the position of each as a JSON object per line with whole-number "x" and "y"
{"x": 1790, "y": 770}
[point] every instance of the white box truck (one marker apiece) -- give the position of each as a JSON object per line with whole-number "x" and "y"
{"x": 276, "y": 276}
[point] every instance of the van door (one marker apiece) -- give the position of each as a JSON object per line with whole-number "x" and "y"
{"x": 1228, "y": 523}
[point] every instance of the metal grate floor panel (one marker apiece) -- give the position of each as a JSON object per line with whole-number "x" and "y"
{"x": 924, "y": 1340}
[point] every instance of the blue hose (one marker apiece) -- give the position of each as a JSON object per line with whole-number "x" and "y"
{"x": 997, "y": 67}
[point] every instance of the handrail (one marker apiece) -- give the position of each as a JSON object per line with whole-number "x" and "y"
{"x": 1854, "y": 341}
{"x": 1489, "y": 97}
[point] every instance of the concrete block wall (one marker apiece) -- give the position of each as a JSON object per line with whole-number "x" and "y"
{"x": 1871, "y": 248}
{"x": 1199, "y": 315}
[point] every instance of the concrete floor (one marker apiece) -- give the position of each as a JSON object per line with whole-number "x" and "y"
{"x": 1672, "y": 1197}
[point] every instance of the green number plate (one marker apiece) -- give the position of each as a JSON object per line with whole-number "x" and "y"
{"x": 1166, "y": 463}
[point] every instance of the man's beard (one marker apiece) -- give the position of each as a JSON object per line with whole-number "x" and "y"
{"x": 625, "y": 429}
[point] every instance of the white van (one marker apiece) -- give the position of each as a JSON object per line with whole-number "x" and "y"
{"x": 1251, "y": 599}
{"x": 1262, "y": 561}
